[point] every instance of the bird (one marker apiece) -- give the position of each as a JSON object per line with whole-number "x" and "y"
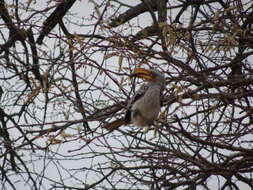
{"x": 144, "y": 107}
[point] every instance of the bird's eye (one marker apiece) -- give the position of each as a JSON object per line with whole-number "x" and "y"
{"x": 145, "y": 87}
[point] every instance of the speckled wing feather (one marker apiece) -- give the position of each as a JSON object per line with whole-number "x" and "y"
{"x": 127, "y": 120}
{"x": 140, "y": 92}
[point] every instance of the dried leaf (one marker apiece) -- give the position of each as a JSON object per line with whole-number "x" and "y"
{"x": 54, "y": 141}
{"x": 66, "y": 135}
{"x": 120, "y": 63}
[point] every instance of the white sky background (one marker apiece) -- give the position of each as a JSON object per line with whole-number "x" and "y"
{"x": 82, "y": 9}
{"x": 50, "y": 167}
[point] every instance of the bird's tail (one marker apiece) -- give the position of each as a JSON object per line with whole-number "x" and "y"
{"x": 115, "y": 124}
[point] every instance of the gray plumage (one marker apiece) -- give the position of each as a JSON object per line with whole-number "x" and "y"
{"x": 144, "y": 107}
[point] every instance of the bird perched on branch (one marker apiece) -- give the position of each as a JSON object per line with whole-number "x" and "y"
{"x": 144, "y": 107}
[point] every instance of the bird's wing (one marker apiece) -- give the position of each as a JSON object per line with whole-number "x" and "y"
{"x": 161, "y": 97}
{"x": 139, "y": 93}
{"x": 124, "y": 121}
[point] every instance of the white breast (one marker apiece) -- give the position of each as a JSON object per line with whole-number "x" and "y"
{"x": 146, "y": 109}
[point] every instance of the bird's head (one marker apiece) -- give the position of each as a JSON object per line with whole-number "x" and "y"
{"x": 150, "y": 75}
